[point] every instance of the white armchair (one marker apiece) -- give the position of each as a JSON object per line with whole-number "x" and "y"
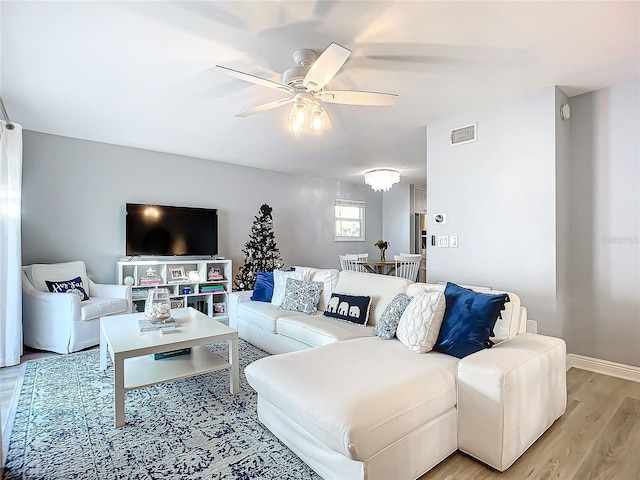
{"x": 62, "y": 322}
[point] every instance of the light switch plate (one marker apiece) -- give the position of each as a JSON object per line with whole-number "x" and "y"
{"x": 443, "y": 241}
{"x": 453, "y": 241}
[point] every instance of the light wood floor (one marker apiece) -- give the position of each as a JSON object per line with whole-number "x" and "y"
{"x": 597, "y": 438}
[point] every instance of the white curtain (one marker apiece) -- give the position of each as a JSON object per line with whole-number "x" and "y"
{"x": 10, "y": 241}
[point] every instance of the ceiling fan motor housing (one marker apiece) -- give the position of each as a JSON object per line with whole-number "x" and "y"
{"x": 304, "y": 58}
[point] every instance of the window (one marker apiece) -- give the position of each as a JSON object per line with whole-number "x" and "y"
{"x": 349, "y": 216}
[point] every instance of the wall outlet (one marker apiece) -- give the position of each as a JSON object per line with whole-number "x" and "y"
{"x": 443, "y": 241}
{"x": 453, "y": 241}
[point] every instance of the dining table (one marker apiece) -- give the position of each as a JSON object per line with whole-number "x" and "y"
{"x": 381, "y": 267}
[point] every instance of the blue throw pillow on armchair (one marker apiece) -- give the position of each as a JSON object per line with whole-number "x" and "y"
{"x": 263, "y": 288}
{"x": 468, "y": 322}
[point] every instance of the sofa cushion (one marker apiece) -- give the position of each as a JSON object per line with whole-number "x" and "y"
{"x": 302, "y": 296}
{"x": 74, "y": 286}
{"x": 97, "y": 307}
{"x": 420, "y": 323}
{"x": 320, "y": 330}
{"x": 388, "y": 323}
{"x": 280, "y": 283}
{"x": 381, "y": 288}
{"x": 263, "y": 288}
{"x": 350, "y": 308}
{"x": 380, "y": 401}
{"x": 509, "y": 323}
{"x": 39, "y": 273}
{"x": 328, "y": 276}
{"x": 468, "y": 321}
{"x": 262, "y": 315}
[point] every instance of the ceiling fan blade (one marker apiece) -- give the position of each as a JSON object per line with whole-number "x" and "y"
{"x": 326, "y": 66}
{"x": 253, "y": 79}
{"x": 353, "y": 97}
{"x": 265, "y": 107}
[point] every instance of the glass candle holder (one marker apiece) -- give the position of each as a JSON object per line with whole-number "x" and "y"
{"x": 158, "y": 305}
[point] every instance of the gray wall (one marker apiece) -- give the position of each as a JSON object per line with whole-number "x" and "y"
{"x": 396, "y": 216}
{"x": 499, "y": 197}
{"x": 603, "y": 314}
{"x": 74, "y": 193}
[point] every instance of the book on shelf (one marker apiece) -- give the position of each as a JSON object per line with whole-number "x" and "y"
{"x": 172, "y": 353}
{"x": 151, "y": 281}
{"x": 145, "y": 325}
{"x": 211, "y": 288}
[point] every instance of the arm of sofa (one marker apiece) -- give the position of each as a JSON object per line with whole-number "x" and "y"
{"x": 234, "y": 299}
{"x": 509, "y": 395}
{"x": 47, "y": 318}
{"x": 110, "y": 291}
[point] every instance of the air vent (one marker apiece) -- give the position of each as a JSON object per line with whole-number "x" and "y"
{"x": 466, "y": 134}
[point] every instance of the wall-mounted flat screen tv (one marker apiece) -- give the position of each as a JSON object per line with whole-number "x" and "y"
{"x": 165, "y": 230}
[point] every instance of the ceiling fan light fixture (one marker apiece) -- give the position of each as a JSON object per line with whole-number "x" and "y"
{"x": 317, "y": 121}
{"x": 381, "y": 179}
{"x": 297, "y": 117}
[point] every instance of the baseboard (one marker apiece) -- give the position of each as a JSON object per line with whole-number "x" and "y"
{"x": 605, "y": 367}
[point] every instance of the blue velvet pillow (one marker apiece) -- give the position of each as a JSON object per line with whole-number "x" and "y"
{"x": 74, "y": 286}
{"x": 263, "y": 288}
{"x": 350, "y": 308}
{"x": 468, "y": 320}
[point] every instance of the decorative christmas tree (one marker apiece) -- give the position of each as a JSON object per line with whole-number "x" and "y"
{"x": 260, "y": 252}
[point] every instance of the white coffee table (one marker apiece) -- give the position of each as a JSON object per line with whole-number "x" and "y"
{"x": 132, "y": 352}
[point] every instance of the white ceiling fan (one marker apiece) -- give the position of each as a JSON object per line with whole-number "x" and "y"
{"x": 305, "y": 85}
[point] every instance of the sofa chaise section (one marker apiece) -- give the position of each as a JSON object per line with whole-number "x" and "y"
{"x": 369, "y": 408}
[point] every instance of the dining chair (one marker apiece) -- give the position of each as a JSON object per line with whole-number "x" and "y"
{"x": 362, "y": 257}
{"x": 349, "y": 262}
{"x": 407, "y": 265}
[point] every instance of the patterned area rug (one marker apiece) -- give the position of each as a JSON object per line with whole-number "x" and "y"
{"x": 187, "y": 429}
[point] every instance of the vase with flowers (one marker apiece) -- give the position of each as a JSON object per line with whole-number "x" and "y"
{"x": 382, "y": 245}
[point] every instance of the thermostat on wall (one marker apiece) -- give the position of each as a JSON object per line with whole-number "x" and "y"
{"x": 440, "y": 218}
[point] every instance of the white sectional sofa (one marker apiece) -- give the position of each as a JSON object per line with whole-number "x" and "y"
{"x": 359, "y": 407}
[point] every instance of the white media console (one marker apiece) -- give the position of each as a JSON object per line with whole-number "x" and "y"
{"x": 188, "y": 281}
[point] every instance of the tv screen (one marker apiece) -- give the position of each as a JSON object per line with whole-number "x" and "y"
{"x": 164, "y": 230}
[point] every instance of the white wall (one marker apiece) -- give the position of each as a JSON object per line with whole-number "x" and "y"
{"x": 549, "y": 209}
{"x": 499, "y": 197}
{"x": 75, "y": 191}
{"x": 603, "y": 314}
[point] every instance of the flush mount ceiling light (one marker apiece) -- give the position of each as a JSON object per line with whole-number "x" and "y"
{"x": 381, "y": 179}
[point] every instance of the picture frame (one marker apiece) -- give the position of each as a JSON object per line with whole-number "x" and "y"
{"x": 177, "y": 274}
{"x": 219, "y": 309}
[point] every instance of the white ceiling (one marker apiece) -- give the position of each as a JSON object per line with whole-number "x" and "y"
{"x": 138, "y": 73}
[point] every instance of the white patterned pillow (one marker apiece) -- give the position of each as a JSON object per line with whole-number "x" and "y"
{"x": 420, "y": 323}
{"x": 280, "y": 283}
{"x": 388, "y": 323}
{"x": 302, "y": 296}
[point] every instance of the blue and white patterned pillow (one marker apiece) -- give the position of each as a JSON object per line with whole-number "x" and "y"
{"x": 302, "y": 296}
{"x": 388, "y": 323}
{"x": 75, "y": 286}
